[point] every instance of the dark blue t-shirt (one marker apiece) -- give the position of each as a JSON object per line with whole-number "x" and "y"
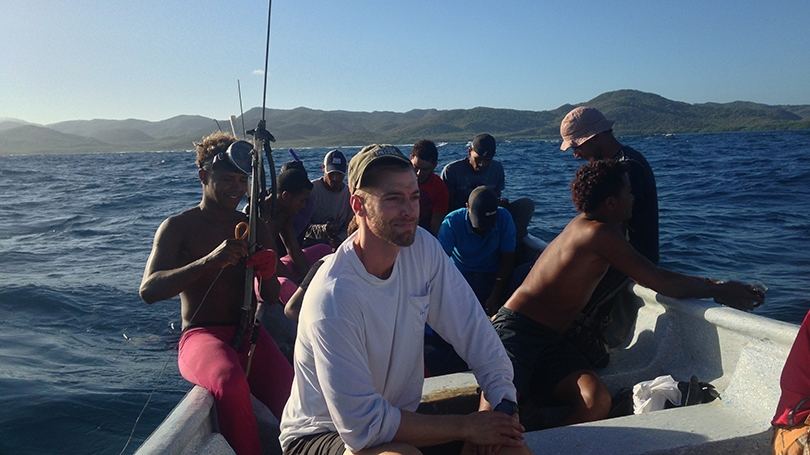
{"x": 643, "y": 226}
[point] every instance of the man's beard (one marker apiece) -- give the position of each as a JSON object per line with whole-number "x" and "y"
{"x": 386, "y": 232}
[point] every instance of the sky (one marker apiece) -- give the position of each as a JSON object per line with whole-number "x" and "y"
{"x": 153, "y": 60}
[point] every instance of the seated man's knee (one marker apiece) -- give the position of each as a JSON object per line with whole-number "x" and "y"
{"x": 231, "y": 381}
{"x": 584, "y": 389}
{"x": 595, "y": 394}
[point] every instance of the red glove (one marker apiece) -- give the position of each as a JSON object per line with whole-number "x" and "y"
{"x": 263, "y": 263}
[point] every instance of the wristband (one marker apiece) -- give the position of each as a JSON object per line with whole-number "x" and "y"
{"x": 507, "y": 407}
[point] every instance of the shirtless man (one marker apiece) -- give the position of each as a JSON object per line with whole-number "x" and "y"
{"x": 531, "y": 323}
{"x": 196, "y": 256}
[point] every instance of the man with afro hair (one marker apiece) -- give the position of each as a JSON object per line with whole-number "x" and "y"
{"x": 548, "y": 369}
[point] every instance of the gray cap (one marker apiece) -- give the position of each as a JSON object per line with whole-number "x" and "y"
{"x": 366, "y": 156}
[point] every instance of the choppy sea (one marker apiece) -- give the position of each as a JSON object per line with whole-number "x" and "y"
{"x": 80, "y": 353}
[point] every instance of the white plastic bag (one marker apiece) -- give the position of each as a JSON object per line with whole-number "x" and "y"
{"x": 653, "y": 395}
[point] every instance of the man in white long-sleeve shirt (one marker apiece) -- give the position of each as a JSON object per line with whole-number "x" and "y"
{"x": 359, "y": 352}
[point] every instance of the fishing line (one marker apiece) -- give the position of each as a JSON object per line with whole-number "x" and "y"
{"x": 132, "y": 433}
{"x": 168, "y": 358}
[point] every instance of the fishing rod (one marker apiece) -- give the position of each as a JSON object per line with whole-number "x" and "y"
{"x": 261, "y": 141}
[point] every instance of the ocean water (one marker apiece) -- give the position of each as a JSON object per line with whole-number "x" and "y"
{"x": 80, "y": 353}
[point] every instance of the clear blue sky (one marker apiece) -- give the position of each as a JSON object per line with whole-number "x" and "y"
{"x": 152, "y": 60}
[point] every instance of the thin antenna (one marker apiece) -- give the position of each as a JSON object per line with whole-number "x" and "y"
{"x": 266, "y": 57}
{"x": 241, "y": 110}
{"x": 233, "y": 128}
{"x": 218, "y": 127}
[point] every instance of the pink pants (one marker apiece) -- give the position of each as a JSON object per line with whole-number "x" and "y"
{"x": 288, "y": 286}
{"x": 206, "y": 358}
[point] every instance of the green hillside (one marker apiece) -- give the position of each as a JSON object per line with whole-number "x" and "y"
{"x": 635, "y": 113}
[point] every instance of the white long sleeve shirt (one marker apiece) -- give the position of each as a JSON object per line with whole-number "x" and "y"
{"x": 359, "y": 350}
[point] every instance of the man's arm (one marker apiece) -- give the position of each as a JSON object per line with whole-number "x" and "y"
{"x": 163, "y": 278}
{"x": 440, "y": 205}
{"x": 479, "y": 428}
{"x": 449, "y": 179}
{"x": 270, "y": 287}
{"x": 436, "y": 222}
{"x": 446, "y": 237}
{"x": 287, "y": 235}
{"x": 494, "y": 300}
{"x": 293, "y": 307}
{"x": 500, "y": 180}
{"x": 620, "y": 254}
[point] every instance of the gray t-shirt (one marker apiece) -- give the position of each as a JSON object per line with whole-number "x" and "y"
{"x": 461, "y": 179}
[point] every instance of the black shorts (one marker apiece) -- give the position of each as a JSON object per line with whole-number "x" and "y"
{"x": 317, "y": 444}
{"x": 540, "y": 356}
{"x": 331, "y": 444}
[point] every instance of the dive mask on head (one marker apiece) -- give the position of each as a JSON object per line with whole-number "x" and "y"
{"x": 237, "y": 158}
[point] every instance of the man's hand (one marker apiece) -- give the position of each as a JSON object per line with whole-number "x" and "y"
{"x": 229, "y": 252}
{"x": 331, "y": 228}
{"x": 488, "y": 430}
{"x": 743, "y": 297}
{"x": 332, "y": 234}
{"x": 492, "y": 305}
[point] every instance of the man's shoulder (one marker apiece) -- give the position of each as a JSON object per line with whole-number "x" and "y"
{"x": 317, "y": 186}
{"x": 591, "y": 233}
{"x": 335, "y": 282}
{"x": 455, "y": 166}
{"x": 457, "y": 216}
{"x": 504, "y": 217}
{"x": 184, "y": 218}
{"x": 434, "y": 184}
{"x": 630, "y": 154}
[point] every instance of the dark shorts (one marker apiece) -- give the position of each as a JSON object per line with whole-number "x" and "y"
{"x": 317, "y": 444}
{"x": 540, "y": 356}
{"x": 331, "y": 444}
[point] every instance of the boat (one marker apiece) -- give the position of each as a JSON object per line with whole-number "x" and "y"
{"x": 741, "y": 354}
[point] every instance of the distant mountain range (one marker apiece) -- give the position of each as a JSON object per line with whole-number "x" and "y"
{"x": 635, "y": 113}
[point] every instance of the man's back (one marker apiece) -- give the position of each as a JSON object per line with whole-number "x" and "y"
{"x": 643, "y": 226}
{"x": 566, "y": 273}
